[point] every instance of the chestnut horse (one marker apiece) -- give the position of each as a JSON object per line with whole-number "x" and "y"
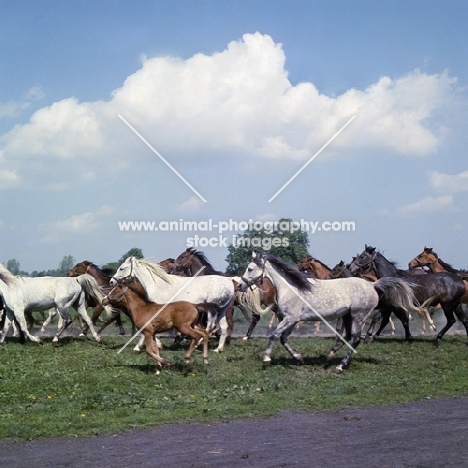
{"x": 130, "y": 296}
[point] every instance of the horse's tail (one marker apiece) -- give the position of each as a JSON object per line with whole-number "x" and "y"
{"x": 398, "y": 293}
{"x": 251, "y": 300}
{"x": 90, "y": 287}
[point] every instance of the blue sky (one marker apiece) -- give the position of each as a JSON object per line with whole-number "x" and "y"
{"x": 237, "y": 96}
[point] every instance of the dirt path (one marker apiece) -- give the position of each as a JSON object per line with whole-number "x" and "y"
{"x": 426, "y": 434}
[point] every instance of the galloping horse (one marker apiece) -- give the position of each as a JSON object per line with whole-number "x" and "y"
{"x": 216, "y": 292}
{"x": 302, "y": 298}
{"x": 21, "y": 294}
{"x": 428, "y": 258}
{"x": 430, "y": 290}
{"x": 130, "y": 296}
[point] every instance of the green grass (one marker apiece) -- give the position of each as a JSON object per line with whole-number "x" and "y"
{"x": 78, "y": 387}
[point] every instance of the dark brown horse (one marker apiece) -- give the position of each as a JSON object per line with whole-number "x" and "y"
{"x": 429, "y": 259}
{"x": 446, "y": 289}
{"x": 130, "y": 296}
{"x": 102, "y": 280}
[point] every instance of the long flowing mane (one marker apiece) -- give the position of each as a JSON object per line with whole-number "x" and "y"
{"x": 154, "y": 270}
{"x": 290, "y": 272}
{"x": 449, "y": 267}
{"x": 6, "y": 276}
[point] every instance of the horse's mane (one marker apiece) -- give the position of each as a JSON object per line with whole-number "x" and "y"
{"x": 154, "y": 270}
{"x": 320, "y": 262}
{"x": 6, "y": 276}
{"x": 394, "y": 264}
{"x": 449, "y": 267}
{"x": 297, "y": 278}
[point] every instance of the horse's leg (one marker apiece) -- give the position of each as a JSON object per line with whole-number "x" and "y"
{"x": 139, "y": 345}
{"x": 461, "y": 315}
{"x": 284, "y": 325}
{"x": 81, "y": 309}
{"x": 52, "y": 313}
{"x": 358, "y": 320}
{"x": 429, "y": 319}
{"x": 17, "y": 315}
{"x": 230, "y": 322}
{"x": 370, "y": 331}
{"x": 253, "y": 323}
{"x": 153, "y": 351}
{"x": 65, "y": 314}
{"x": 343, "y": 325}
{"x": 402, "y": 315}
{"x": 448, "y": 311}
{"x": 223, "y": 325}
{"x": 270, "y": 323}
{"x": 317, "y": 328}
{"x": 392, "y": 326}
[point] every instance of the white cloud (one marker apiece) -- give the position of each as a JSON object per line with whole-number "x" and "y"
{"x": 449, "y": 183}
{"x": 266, "y": 217}
{"x": 426, "y": 205}
{"x": 14, "y": 108}
{"x": 240, "y": 101}
{"x": 83, "y": 223}
{"x": 192, "y": 204}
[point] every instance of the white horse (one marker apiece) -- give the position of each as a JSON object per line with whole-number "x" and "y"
{"x": 215, "y": 292}
{"x": 21, "y": 294}
{"x": 302, "y": 298}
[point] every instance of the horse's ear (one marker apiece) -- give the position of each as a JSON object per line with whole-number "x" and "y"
{"x": 254, "y": 255}
{"x": 371, "y": 249}
{"x": 428, "y": 249}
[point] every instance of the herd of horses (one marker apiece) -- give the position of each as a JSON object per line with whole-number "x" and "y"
{"x": 188, "y": 295}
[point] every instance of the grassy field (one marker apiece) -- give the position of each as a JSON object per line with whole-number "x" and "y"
{"x": 79, "y": 387}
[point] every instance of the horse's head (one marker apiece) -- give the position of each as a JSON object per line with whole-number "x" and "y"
{"x": 425, "y": 259}
{"x": 168, "y": 265}
{"x": 254, "y": 272}
{"x": 116, "y": 296}
{"x": 363, "y": 263}
{"x": 79, "y": 269}
{"x": 340, "y": 270}
{"x": 125, "y": 270}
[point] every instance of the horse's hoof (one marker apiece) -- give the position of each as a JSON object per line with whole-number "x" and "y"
{"x": 206, "y": 362}
{"x": 218, "y": 350}
{"x": 157, "y": 372}
{"x": 339, "y": 369}
{"x": 330, "y": 355}
{"x": 266, "y": 361}
{"x": 298, "y": 357}
{"x": 245, "y": 338}
{"x": 136, "y": 350}
{"x": 187, "y": 362}
{"x": 55, "y": 340}
{"x": 368, "y": 339}
{"x": 437, "y": 342}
